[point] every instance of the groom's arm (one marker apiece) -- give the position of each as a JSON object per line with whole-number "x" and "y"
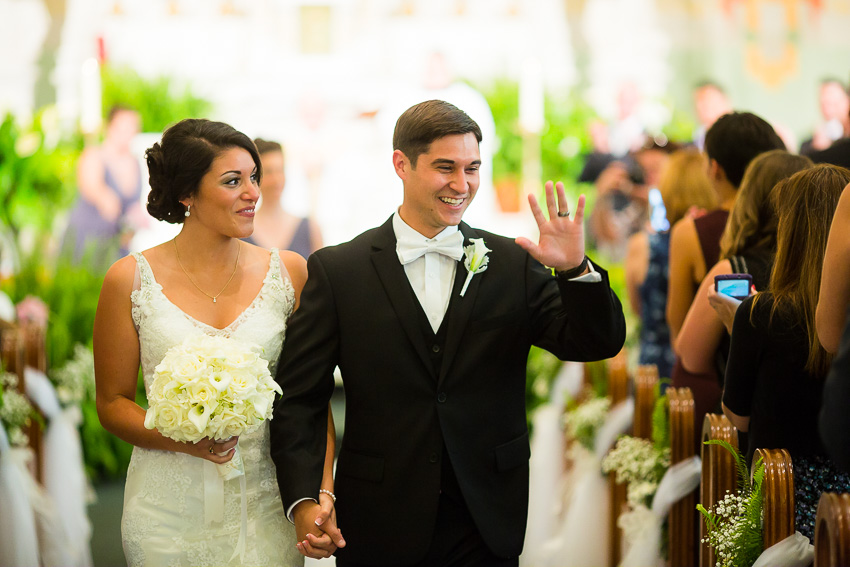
{"x": 574, "y": 319}
{"x": 305, "y": 373}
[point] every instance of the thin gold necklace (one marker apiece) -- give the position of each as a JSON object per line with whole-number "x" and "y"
{"x": 213, "y": 297}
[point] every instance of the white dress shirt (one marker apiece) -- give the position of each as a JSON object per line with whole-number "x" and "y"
{"x": 432, "y": 275}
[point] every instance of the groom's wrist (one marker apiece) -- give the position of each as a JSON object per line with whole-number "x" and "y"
{"x": 574, "y": 272}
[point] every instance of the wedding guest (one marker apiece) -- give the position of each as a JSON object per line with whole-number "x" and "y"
{"x": 684, "y": 189}
{"x": 748, "y": 246}
{"x": 730, "y": 145}
{"x": 710, "y": 103}
{"x": 204, "y": 176}
{"x": 835, "y": 114}
{"x": 108, "y": 207}
{"x": 432, "y": 350}
{"x": 622, "y": 197}
{"x": 273, "y": 225}
{"x": 834, "y": 422}
{"x": 775, "y": 375}
{"x": 835, "y": 282}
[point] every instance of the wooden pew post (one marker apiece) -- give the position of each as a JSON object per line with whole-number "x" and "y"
{"x": 683, "y": 515}
{"x": 618, "y": 388}
{"x": 778, "y": 494}
{"x": 832, "y": 531}
{"x": 645, "y": 382}
{"x": 719, "y": 473}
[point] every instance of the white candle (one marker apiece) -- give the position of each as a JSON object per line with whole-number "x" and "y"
{"x": 90, "y": 96}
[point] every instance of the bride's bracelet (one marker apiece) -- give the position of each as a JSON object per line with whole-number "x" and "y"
{"x": 329, "y": 493}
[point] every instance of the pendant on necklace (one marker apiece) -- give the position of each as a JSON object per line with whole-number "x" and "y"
{"x": 213, "y": 299}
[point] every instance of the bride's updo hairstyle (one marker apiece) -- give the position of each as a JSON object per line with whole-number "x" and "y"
{"x": 181, "y": 159}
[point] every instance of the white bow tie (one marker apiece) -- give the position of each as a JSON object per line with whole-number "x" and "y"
{"x": 451, "y": 246}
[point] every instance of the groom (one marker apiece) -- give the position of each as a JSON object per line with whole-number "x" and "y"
{"x": 432, "y": 348}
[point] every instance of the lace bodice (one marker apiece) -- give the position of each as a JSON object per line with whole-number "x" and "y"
{"x": 161, "y": 324}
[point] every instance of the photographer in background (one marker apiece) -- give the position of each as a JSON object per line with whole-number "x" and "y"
{"x": 622, "y": 198}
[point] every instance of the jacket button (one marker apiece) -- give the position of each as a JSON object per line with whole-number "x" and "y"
{"x": 433, "y": 458}
{"x": 441, "y": 397}
{"x": 435, "y": 349}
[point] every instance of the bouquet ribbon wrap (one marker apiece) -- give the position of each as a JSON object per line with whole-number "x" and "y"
{"x": 214, "y": 477}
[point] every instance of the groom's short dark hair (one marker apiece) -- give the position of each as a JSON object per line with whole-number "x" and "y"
{"x": 425, "y": 122}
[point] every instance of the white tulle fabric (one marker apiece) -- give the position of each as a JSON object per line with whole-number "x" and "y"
{"x": 18, "y": 536}
{"x": 164, "y": 519}
{"x": 40, "y": 530}
{"x": 547, "y": 474}
{"x": 642, "y": 526}
{"x": 582, "y": 538}
{"x": 63, "y": 470}
{"x": 793, "y": 551}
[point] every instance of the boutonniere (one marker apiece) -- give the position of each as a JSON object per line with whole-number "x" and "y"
{"x": 475, "y": 260}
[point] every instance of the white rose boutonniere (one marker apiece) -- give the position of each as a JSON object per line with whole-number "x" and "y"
{"x": 475, "y": 260}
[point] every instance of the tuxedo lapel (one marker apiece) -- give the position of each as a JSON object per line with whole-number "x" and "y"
{"x": 397, "y": 287}
{"x": 460, "y": 308}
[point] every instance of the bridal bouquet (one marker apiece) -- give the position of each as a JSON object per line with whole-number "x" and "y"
{"x": 211, "y": 386}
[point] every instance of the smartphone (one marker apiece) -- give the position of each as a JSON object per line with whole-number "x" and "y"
{"x": 734, "y": 285}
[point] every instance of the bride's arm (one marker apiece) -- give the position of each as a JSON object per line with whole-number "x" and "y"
{"x": 116, "y": 369}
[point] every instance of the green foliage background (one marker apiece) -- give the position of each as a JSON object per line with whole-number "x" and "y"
{"x": 159, "y": 101}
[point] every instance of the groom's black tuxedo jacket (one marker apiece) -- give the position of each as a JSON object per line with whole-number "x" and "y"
{"x": 358, "y": 311}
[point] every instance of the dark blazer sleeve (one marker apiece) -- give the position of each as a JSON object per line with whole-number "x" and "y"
{"x": 298, "y": 429}
{"x": 574, "y": 320}
{"x": 834, "y": 417}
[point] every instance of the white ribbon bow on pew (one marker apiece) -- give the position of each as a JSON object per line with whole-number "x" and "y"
{"x": 587, "y": 513}
{"x": 642, "y": 526}
{"x": 63, "y": 470}
{"x": 793, "y": 551}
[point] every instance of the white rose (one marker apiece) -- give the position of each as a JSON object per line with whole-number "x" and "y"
{"x": 169, "y": 416}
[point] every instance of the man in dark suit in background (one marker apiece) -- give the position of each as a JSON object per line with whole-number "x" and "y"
{"x": 432, "y": 340}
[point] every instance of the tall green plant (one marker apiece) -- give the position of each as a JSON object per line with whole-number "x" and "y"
{"x": 159, "y": 101}
{"x": 36, "y": 177}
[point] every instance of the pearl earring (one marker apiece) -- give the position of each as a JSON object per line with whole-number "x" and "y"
{"x": 187, "y": 210}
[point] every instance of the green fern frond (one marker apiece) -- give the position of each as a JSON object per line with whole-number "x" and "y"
{"x": 661, "y": 423}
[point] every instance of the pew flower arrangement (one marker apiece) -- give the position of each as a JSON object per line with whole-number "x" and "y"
{"x": 583, "y": 420}
{"x": 74, "y": 381}
{"x": 16, "y": 411}
{"x": 734, "y": 524}
{"x": 639, "y": 463}
{"x": 642, "y": 462}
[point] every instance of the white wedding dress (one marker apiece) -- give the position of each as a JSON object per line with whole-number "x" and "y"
{"x": 175, "y": 511}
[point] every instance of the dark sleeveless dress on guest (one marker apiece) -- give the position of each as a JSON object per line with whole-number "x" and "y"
{"x": 704, "y": 387}
{"x": 655, "y": 345}
{"x": 300, "y": 240}
{"x": 90, "y": 234}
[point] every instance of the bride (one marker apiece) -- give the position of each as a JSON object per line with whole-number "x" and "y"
{"x": 204, "y": 175}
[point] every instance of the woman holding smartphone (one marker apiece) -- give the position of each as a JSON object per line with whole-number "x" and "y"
{"x": 776, "y": 370}
{"x": 748, "y": 245}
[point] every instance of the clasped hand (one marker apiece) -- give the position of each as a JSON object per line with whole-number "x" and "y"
{"x": 315, "y": 528}
{"x": 561, "y": 244}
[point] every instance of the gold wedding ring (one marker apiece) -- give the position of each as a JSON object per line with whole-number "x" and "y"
{"x": 563, "y": 213}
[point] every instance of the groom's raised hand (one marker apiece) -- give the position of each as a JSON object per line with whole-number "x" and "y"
{"x": 315, "y": 528}
{"x": 561, "y": 244}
